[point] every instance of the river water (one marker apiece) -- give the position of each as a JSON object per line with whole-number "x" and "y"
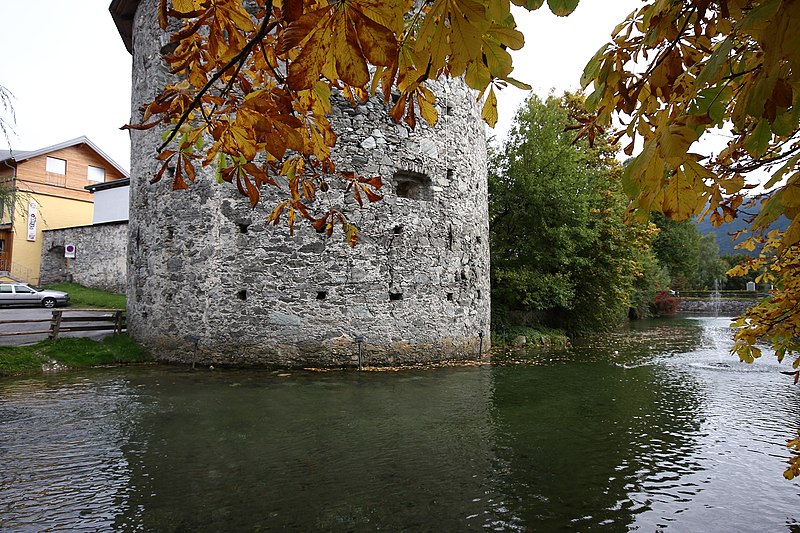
{"x": 654, "y": 428}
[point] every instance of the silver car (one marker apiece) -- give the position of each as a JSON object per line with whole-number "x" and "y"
{"x": 21, "y": 294}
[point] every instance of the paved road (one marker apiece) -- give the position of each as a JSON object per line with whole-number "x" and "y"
{"x": 40, "y": 313}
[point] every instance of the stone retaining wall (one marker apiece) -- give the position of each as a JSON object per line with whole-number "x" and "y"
{"x": 100, "y": 260}
{"x": 721, "y": 306}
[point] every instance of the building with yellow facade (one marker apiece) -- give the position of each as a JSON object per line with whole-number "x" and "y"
{"x": 45, "y": 189}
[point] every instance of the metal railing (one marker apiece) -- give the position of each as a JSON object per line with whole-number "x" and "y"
{"x": 17, "y": 271}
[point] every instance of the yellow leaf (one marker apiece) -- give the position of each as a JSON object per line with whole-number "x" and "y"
{"x": 183, "y": 6}
{"x": 378, "y": 43}
{"x": 427, "y": 109}
{"x": 681, "y": 198}
{"x": 477, "y": 76}
{"x": 497, "y": 59}
{"x": 305, "y": 70}
{"x": 499, "y": 10}
{"x": 489, "y": 112}
{"x": 465, "y": 43}
{"x": 562, "y": 8}
{"x": 350, "y": 63}
{"x": 510, "y": 37}
{"x": 674, "y": 142}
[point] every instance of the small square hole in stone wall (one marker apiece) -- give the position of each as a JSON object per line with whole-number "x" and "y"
{"x": 450, "y": 173}
{"x": 449, "y": 296}
{"x": 321, "y": 295}
{"x": 398, "y": 230}
{"x": 241, "y": 294}
{"x": 395, "y": 296}
{"x": 243, "y": 228}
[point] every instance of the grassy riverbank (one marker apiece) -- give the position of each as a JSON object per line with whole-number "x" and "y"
{"x": 86, "y": 298}
{"x": 533, "y": 336}
{"x": 70, "y": 352}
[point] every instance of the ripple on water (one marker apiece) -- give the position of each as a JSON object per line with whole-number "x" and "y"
{"x": 66, "y": 441}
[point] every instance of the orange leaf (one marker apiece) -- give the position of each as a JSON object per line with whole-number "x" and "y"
{"x": 378, "y": 43}
{"x": 350, "y": 63}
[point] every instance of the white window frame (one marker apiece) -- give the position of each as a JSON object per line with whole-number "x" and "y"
{"x": 55, "y": 165}
{"x": 96, "y": 174}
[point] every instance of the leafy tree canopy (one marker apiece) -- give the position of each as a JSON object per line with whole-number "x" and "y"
{"x": 677, "y": 246}
{"x": 561, "y": 254}
{"x": 675, "y": 71}
{"x": 711, "y": 268}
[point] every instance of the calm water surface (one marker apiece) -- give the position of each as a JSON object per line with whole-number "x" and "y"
{"x": 654, "y": 428}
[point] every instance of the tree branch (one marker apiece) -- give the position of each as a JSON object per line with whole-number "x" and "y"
{"x": 238, "y": 60}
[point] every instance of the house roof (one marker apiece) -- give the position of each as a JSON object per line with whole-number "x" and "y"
{"x": 94, "y": 187}
{"x": 122, "y": 11}
{"x": 19, "y": 156}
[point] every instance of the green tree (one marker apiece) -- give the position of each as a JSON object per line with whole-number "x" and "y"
{"x": 737, "y": 282}
{"x": 651, "y": 277}
{"x": 561, "y": 254}
{"x": 711, "y": 268}
{"x": 677, "y": 246}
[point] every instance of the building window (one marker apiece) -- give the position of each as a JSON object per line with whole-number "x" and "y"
{"x": 55, "y": 165}
{"x": 96, "y": 174}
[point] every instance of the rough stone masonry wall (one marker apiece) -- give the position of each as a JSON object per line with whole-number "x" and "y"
{"x": 210, "y": 282}
{"x": 100, "y": 261}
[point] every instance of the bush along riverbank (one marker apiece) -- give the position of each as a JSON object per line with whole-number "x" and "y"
{"x": 529, "y": 337}
{"x": 70, "y": 353}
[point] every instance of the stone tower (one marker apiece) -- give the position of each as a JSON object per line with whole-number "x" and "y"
{"x": 208, "y": 281}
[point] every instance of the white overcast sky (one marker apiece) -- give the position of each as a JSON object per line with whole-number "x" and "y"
{"x": 70, "y": 73}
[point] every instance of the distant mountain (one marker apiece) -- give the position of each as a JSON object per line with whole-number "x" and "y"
{"x": 725, "y": 233}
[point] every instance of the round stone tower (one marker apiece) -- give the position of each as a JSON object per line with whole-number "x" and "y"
{"x": 209, "y": 282}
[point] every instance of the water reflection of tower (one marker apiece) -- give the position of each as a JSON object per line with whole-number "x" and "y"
{"x": 203, "y": 265}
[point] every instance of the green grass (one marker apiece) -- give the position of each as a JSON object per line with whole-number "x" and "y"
{"x": 71, "y": 352}
{"x": 538, "y": 335}
{"x": 84, "y": 297}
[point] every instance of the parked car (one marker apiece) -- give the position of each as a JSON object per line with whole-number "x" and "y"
{"x": 21, "y": 294}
